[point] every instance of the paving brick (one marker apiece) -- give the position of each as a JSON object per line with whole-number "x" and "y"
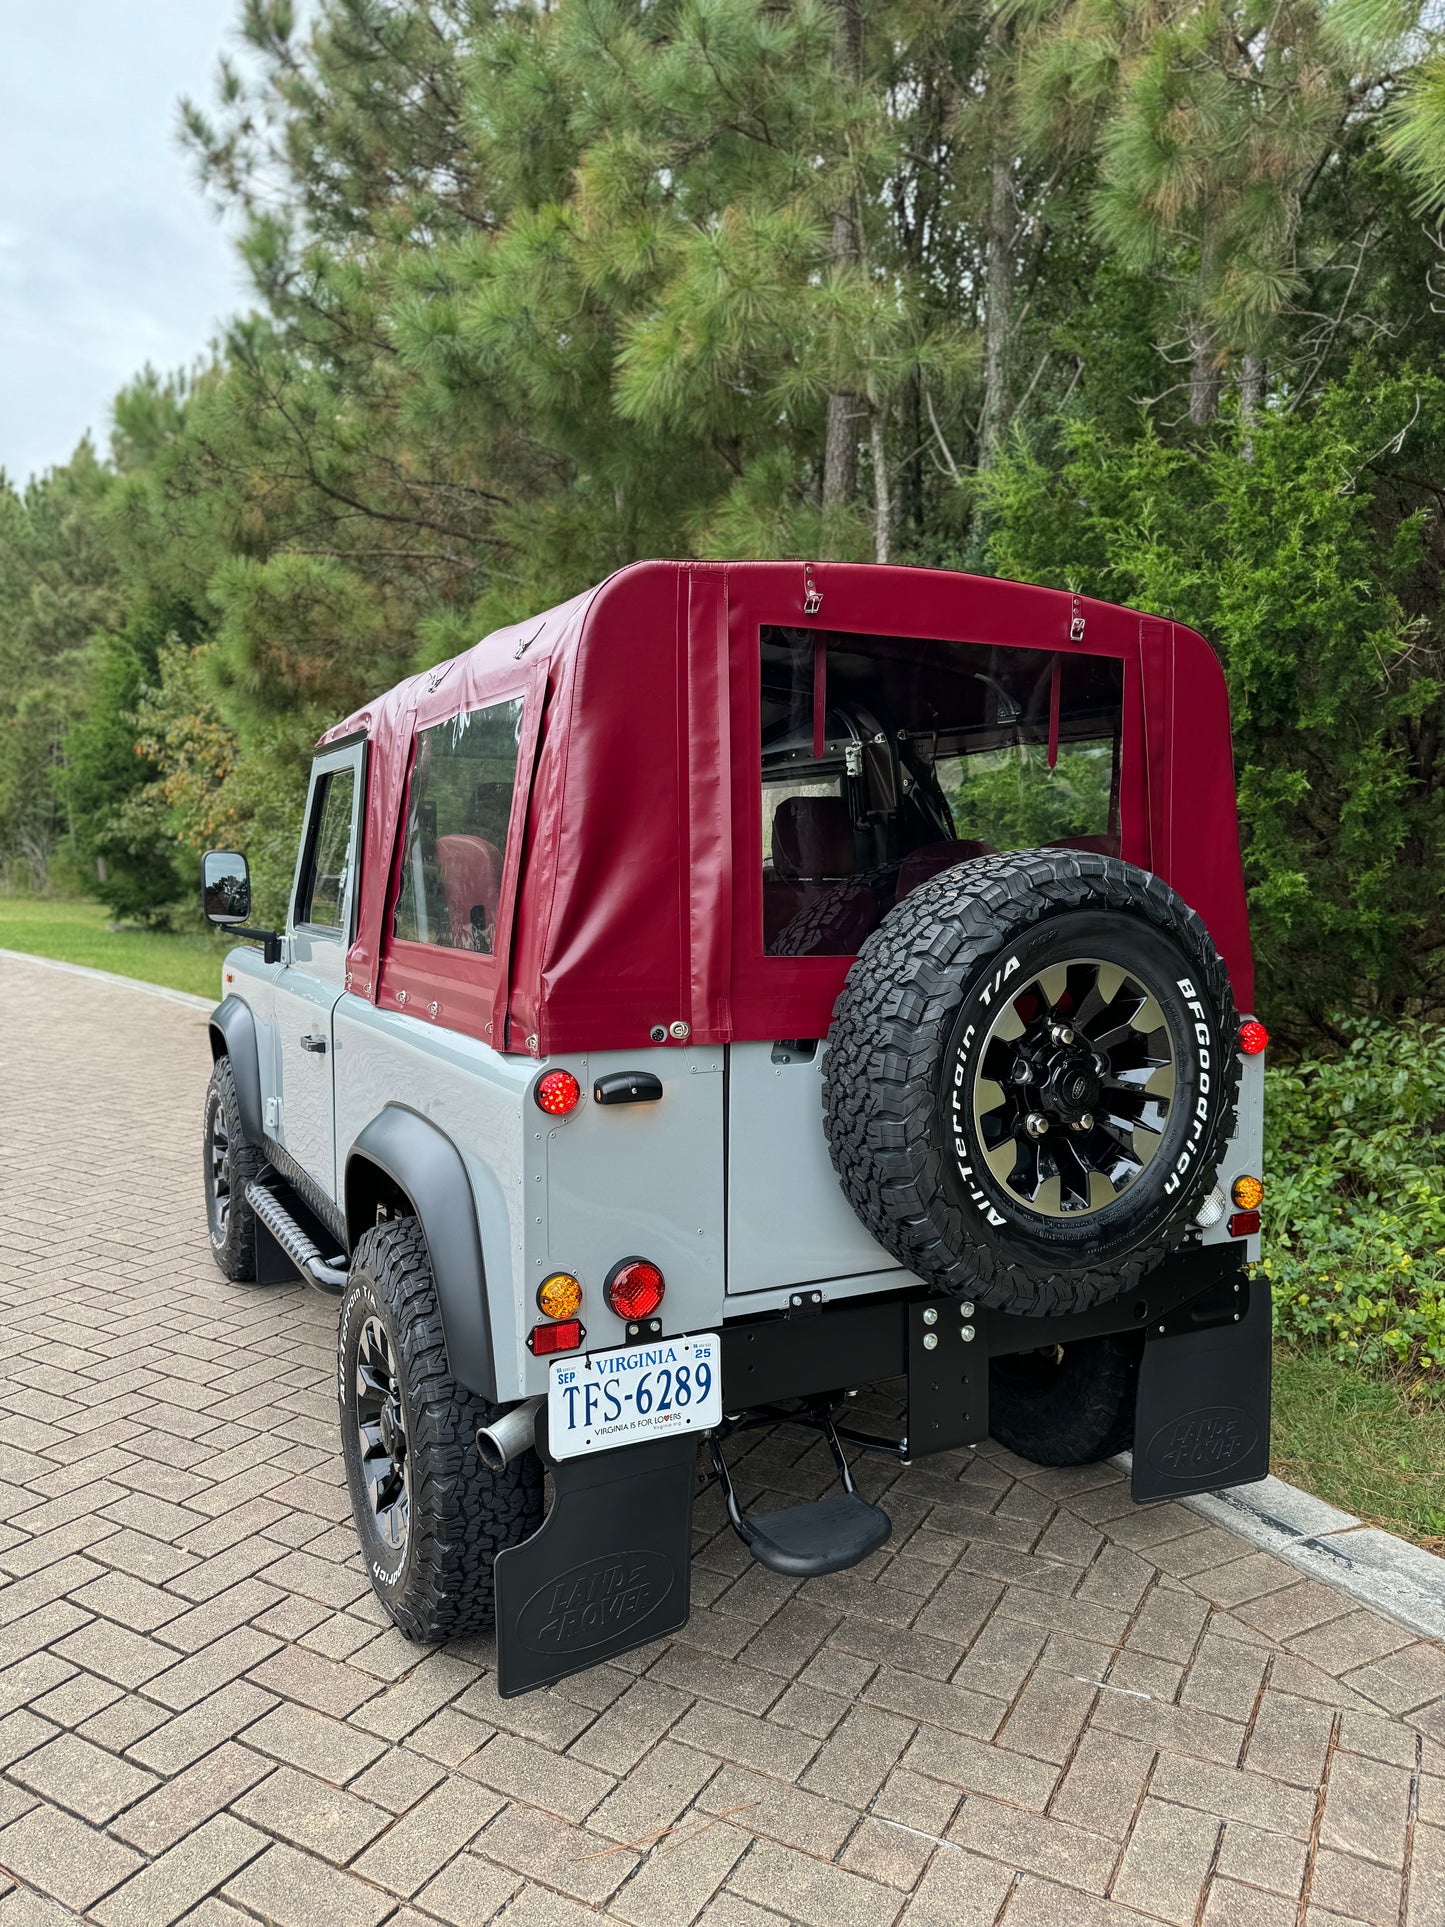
{"x": 1290, "y": 1739}
{"x": 1104, "y": 1783}
{"x": 543, "y": 1847}
{"x": 1352, "y": 1641}
{"x": 1048, "y": 1716}
{"x": 776, "y": 1810}
{"x": 425, "y": 1837}
{"x": 314, "y": 1743}
{"x": 977, "y": 1768}
{"x": 1231, "y": 1905}
{"x": 958, "y": 1890}
{"x": 165, "y": 1890}
{"x": 293, "y": 1890}
{"x": 403, "y": 1707}
{"x": 180, "y": 1805}
{"x": 1167, "y": 1861}
{"x": 168, "y": 1746}
{"x": 72, "y": 1773}
{"x": 809, "y": 1891}
{"x": 1345, "y": 1884}
{"x": 1258, "y": 1858}
{"x": 1366, "y": 1809}
{"x": 1411, "y": 1677}
{"x": 730, "y": 1735}
{"x": 1028, "y": 1841}
{"x": 468, "y": 1891}
{"x": 73, "y": 1863}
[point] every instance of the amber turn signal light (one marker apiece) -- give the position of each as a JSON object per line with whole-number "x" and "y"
{"x": 565, "y": 1336}
{"x": 1247, "y": 1193}
{"x": 560, "y": 1296}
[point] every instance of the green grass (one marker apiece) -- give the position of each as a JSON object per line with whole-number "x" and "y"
{"x": 78, "y": 932}
{"x": 1362, "y": 1443}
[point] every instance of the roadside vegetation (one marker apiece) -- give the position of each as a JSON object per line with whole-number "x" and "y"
{"x": 76, "y": 931}
{"x": 1143, "y": 302}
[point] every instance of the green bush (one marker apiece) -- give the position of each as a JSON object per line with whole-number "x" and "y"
{"x": 1355, "y": 1164}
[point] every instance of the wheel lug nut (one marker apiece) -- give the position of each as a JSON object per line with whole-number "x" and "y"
{"x": 1085, "y": 1121}
{"x": 1036, "y": 1124}
{"x": 1023, "y": 1071}
{"x": 1061, "y": 1033}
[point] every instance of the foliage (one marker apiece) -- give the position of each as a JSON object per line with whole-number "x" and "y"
{"x": 1355, "y": 1172}
{"x": 540, "y": 288}
{"x": 1314, "y": 568}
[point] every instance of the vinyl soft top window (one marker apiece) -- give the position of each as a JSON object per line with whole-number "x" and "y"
{"x": 464, "y": 773}
{"x": 886, "y": 759}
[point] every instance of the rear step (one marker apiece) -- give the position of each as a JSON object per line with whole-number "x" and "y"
{"x": 326, "y": 1274}
{"x": 806, "y": 1541}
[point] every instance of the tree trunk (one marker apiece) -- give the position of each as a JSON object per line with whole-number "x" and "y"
{"x": 998, "y": 288}
{"x": 1203, "y": 378}
{"x": 1251, "y": 397}
{"x": 840, "y": 446}
{"x": 882, "y": 494}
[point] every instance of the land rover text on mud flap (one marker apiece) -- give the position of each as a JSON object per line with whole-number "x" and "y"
{"x": 739, "y": 986}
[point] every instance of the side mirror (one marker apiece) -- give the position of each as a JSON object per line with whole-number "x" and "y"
{"x": 225, "y": 887}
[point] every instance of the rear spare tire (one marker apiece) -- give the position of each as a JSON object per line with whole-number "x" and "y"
{"x": 1031, "y": 1078}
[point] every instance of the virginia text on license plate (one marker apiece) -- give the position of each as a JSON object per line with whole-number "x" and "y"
{"x": 644, "y": 1392}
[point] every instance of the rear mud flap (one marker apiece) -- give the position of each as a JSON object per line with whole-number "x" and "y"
{"x": 1201, "y": 1420}
{"x": 609, "y": 1568}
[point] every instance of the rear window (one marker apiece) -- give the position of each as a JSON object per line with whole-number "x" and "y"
{"x": 458, "y": 809}
{"x": 886, "y": 759}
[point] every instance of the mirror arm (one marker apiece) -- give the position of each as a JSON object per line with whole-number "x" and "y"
{"x": 269, "y": 940}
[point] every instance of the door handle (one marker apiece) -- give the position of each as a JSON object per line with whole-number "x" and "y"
{"x": 310, "y": 1041}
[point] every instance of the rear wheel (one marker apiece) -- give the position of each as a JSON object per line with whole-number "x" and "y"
{"x": 231, "y": 1161}
{"x": 1066, "y": 1404}
{"x": 430, "y": 1515}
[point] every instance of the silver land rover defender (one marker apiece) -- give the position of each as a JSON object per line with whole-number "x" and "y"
{"x": 742, "y": 985}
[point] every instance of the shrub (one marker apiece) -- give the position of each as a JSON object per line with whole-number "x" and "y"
{"x": 1355, "y": 1162}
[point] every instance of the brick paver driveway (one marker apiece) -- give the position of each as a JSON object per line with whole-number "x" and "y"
{"x": 1038, "y": 1705}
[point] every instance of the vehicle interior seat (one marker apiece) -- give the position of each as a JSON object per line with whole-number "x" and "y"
{"x": 471, "y": 874}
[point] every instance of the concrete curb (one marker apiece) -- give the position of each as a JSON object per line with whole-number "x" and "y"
{"x": 1383, "y": 1572}
{"x": 182, "y": 997}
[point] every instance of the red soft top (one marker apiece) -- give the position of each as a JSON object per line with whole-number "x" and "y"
{"x": 633, "y": 896}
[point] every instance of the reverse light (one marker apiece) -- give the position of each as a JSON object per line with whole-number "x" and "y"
{"x": 634, "y": 1289}
{"x": 560, "y": 1296}
{"x": 557, "y": 1093}
{"x": 1252, "y": 1037}
{"x": 1247, "y": 1193}
{"x": 565, "y": 1336}
{"x": 1244, "y": 1224}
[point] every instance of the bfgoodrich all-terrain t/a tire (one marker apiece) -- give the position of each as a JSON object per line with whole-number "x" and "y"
{"x": 430, "y": 1515}
{"x": 231, "y": 1162}
{"x": 1031, "y": 1077}
{"x": 1066, "y": 1404}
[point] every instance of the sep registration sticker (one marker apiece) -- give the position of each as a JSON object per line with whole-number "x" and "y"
{"x": 645, "y": 1392}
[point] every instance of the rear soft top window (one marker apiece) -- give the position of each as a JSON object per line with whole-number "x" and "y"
{"x": 886, "y": 759}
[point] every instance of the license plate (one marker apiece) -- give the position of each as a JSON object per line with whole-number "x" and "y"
{"x": 645, "y": 1392}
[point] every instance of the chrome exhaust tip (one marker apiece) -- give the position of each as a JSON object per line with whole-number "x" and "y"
{"x": 509, "y": 1435}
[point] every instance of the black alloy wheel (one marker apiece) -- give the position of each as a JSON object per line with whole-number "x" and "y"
{"x": 1073, "y": 1087}
{"x": 380, "y": 1419}
{"x": 229, "y": 1163}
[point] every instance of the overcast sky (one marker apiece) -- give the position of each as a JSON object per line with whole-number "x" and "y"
{"x": 108, "y": 256}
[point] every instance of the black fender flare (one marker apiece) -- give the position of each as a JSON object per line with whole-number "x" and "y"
{"x": 233, "y": 1035}
{"x": 424, "y": 1164}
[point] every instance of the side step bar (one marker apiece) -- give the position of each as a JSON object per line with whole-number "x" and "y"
{"x": 806, "y": 1541}
{"x": 326, "y": 1275}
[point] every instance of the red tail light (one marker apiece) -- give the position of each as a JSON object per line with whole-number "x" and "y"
{"x": 565, "y": 1336}
{"x": 557, "y": 1093}
{"x": 1252, "y": 1037}
{"x": 634, "y": 1289}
